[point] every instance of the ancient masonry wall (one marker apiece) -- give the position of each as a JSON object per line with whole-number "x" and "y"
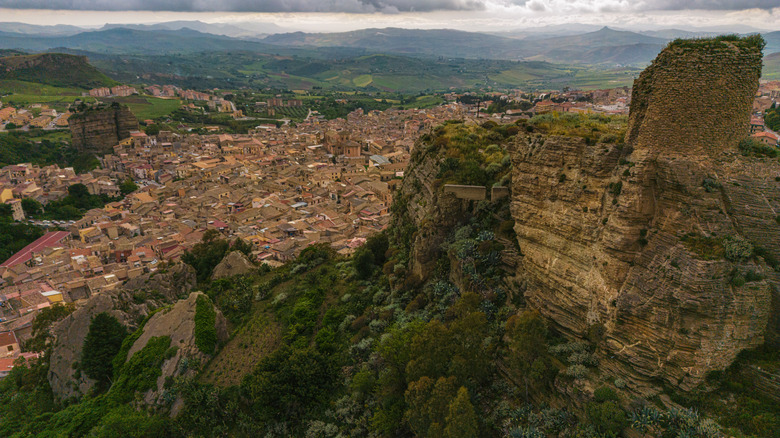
{"x": 695, "y": 97}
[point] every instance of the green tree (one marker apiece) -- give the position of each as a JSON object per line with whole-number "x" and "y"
{"x": 378, "y": 244}
{"x": 288, "y": 383}
{"x": 207, "y": 254}
{"x": 461, "y": 421}
{"x": 127, "y": 187}
{"x": 363, "y": 261}
{"x": 607, "y": 418}
{"x": 101, "y": 344}
{"x": 243, "y": 246}
{"x": 6, "y": 213}
{"x": 31, "y": 207}
{"x": 153, "y": 129}
{"x": 78, "y": 191}
{"x": 528, "y": 335}
{"x": 428, "y": 405}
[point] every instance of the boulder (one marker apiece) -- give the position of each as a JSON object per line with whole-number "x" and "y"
{"x": 235, "y": 263}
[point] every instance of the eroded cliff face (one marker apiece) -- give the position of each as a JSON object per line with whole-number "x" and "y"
{"x": 626, "y": 239}
{"x": 99, "y": 130}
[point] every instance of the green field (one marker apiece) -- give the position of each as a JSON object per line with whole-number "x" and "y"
{"x": 146, "y": 107}
{"x": 21, "y": 93}
{"x": 771, "y": 67}
{"x": 362, "y": 80}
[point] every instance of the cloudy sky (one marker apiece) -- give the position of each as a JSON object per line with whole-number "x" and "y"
{"x": 329, "y": 15}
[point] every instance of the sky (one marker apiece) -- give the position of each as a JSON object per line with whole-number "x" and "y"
{"x": 340, "y": 15}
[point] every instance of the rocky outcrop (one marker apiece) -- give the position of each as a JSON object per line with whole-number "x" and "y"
{"x": 622, "y": 242}
{"x": 157, "y": 289}
{"x": 179, "y": 324}
{"x": 428, "y": 213}
{"x": 100, "y": 129}
{"x": 235, "y": 263}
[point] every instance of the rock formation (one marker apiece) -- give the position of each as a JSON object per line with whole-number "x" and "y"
{"x": 235, "y": 263}
{"x": 618, "y": 242}
{"x": 179, "y": 324}
{"x": 157, "y": 289}
{"x": 100, "y": 129}
{"x": 633, "y": 239}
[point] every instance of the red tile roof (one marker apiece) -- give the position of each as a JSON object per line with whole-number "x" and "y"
{"x": 48, "y": 240}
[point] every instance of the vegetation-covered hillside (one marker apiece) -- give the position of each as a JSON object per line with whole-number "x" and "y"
{"x": 56, "y": 69}
{"x": 360, "y": 346}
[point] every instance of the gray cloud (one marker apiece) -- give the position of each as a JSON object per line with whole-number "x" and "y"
{"x": 384, "y": 6}
{"x": 713, "y": 5}
{"x": 354, "y": 6}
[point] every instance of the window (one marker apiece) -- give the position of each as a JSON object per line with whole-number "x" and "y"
{"x": 10, "y": 348}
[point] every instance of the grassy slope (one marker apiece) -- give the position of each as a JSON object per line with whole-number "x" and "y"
{"x": 54, "y": 69}
{"x": 146, "y": 107}
{"x": 18, "y": 92}
{"x": 772, "y": 67}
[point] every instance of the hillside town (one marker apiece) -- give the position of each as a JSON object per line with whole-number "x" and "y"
{"x": 280, "y": 189}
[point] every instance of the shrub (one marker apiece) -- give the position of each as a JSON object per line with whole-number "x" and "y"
{"x": 205, "y": 325}
{"x": 710, "y": 185}
{"x": 101, "y": 344}
{"x": 604, "y": 393}
{"x": 737, "y": 249}
{"x": 754, "y": 148}
{"x": 576, "y": 371}
{"x": 141, "y": 371}
{"x": 615, "y": 188}
{"x": 607, "y": 418}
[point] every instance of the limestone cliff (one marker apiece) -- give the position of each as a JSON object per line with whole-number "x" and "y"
{"x": 100, "y": 129}
{"x": 154, "y": 289}
{"x": 633, "y": 238}
{"x": 639, "y": 240}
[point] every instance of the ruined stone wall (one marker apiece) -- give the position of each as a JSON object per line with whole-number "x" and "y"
{"x": 98, "y": 130}
{"x": 695, "y": 97}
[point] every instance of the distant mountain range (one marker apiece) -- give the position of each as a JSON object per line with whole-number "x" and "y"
{"x": 391, "y": 59}
{"x": 604, "y": 46}
{"x": 572, "y": 44}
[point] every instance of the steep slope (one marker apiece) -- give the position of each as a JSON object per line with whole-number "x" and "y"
{"x": 100, "y": 128}
{"x": 641, "y": 240}
{"x": 69, "y": 333}
{"x": 54, "y": 69}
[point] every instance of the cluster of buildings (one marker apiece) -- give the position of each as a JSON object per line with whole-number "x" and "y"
{"x": 34, "y": 116}
{"x": 767, "y": 96}
{"x": 48, "y": 183}
{"x": 118, "y": 91}
{"x": 614, "y": 101}
{"x": 282, "y": 189}
{"x": 174, "y": 91}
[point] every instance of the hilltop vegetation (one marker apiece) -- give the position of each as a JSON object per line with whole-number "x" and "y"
{"x": 55, "y": 69}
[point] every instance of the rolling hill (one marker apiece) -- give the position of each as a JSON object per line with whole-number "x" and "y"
{"x": 604, "y": 46}
{"x": 57, "y": 69}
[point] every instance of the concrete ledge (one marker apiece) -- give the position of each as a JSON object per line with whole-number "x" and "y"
{"x": 499, "y": 192}
{"x": 476, "y": 193}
